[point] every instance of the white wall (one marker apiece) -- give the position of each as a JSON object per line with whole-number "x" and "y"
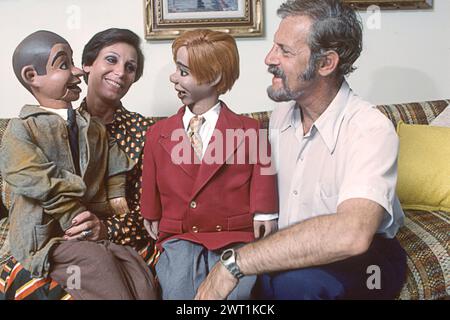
{"x": 408, "y": 59}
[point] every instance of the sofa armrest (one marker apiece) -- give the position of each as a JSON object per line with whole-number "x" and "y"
{"x": 414, "y": 112}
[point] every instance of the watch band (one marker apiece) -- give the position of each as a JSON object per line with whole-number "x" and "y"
{"x": 228, "y": 259}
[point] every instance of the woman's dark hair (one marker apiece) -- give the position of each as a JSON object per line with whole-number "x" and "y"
{"x": 107, "y": 38}
{"x": 335, "y": 27}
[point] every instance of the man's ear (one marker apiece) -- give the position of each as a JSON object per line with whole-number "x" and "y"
{"x": 28, "y": 75}
{"x": 329, "y": 63}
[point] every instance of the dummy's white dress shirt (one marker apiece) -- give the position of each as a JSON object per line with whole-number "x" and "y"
{"x": 206, "y": 131}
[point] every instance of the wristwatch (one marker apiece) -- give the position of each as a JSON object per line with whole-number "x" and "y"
{"x": 228, "y": 259}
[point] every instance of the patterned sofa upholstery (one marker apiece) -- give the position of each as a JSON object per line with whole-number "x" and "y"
{"x": 425, "y": 236}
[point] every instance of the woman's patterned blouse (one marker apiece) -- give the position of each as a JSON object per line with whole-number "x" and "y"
{"x": 129, "y": 129}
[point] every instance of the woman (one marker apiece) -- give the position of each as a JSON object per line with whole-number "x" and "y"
{"x": 112, "y": 61}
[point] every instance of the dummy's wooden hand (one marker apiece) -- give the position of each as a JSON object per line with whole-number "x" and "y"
{"x": 270, "y": 226}
{"x": 119, "y": 206}
{"x": 152, "y": 228}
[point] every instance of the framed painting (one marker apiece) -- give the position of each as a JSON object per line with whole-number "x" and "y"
{"x": 388, "y": 4}
{"x": 167, "y": 19}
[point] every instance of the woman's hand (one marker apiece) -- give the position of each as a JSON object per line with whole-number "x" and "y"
{"x": 86, "y": 222}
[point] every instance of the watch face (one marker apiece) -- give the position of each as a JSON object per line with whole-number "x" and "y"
{"x": 227, "y": 255}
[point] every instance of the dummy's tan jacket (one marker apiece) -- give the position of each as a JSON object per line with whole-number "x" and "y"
{"x": 36, "y": 162}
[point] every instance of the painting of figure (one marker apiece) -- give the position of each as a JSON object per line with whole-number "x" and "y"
{"x": 175, "y": 6}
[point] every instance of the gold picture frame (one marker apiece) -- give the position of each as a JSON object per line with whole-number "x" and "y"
{"x": 388, "y": 4}
{"x": 167, "y": 19}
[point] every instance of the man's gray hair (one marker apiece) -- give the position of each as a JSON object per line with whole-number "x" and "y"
{"x": 335, "y": 27}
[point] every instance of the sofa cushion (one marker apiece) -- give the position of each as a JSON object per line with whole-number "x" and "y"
{"x": 443, "y": 119}
{"x": 4, "y": 189}
{"x": 425, "y": 238}
{"x": 423, "y": 167}
{"x": 4, "y": 250}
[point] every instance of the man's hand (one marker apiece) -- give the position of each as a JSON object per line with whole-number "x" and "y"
{"x": 218, "y": 284}
{"x": 152, "y": 228}
{"x": 86, "y": 221}
{"x": 270, "y": 226}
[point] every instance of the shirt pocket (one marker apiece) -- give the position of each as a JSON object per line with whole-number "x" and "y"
{"x": 325, "y": 200}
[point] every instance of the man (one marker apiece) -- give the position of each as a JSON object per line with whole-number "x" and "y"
{"x": 337, "y": 172}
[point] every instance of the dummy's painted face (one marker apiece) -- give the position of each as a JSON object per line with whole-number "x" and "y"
{"x": 189, "y": 90}
{"x": 59, "y": 86}
{"x": 113, "y": 71}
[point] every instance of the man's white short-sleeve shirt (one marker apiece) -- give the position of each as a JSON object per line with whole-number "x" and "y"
{"x": 350, "y": 152}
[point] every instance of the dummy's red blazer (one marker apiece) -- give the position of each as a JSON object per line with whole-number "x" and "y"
{"x": 210, "y": 204}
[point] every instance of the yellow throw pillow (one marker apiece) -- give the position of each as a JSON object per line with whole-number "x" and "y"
{"x": 424, "y": 167}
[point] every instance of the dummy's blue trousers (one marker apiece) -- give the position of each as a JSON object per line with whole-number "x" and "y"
{"x": 379, "y": 273}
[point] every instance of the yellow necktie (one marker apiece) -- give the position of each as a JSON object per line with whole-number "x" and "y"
{"x": 196, "y": 140}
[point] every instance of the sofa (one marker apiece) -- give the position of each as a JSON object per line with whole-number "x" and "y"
{"x": 425, "y": 235}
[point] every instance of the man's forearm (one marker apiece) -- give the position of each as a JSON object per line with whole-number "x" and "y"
{"x": 317, "y": 241}
{"x": 301, "y": 245}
